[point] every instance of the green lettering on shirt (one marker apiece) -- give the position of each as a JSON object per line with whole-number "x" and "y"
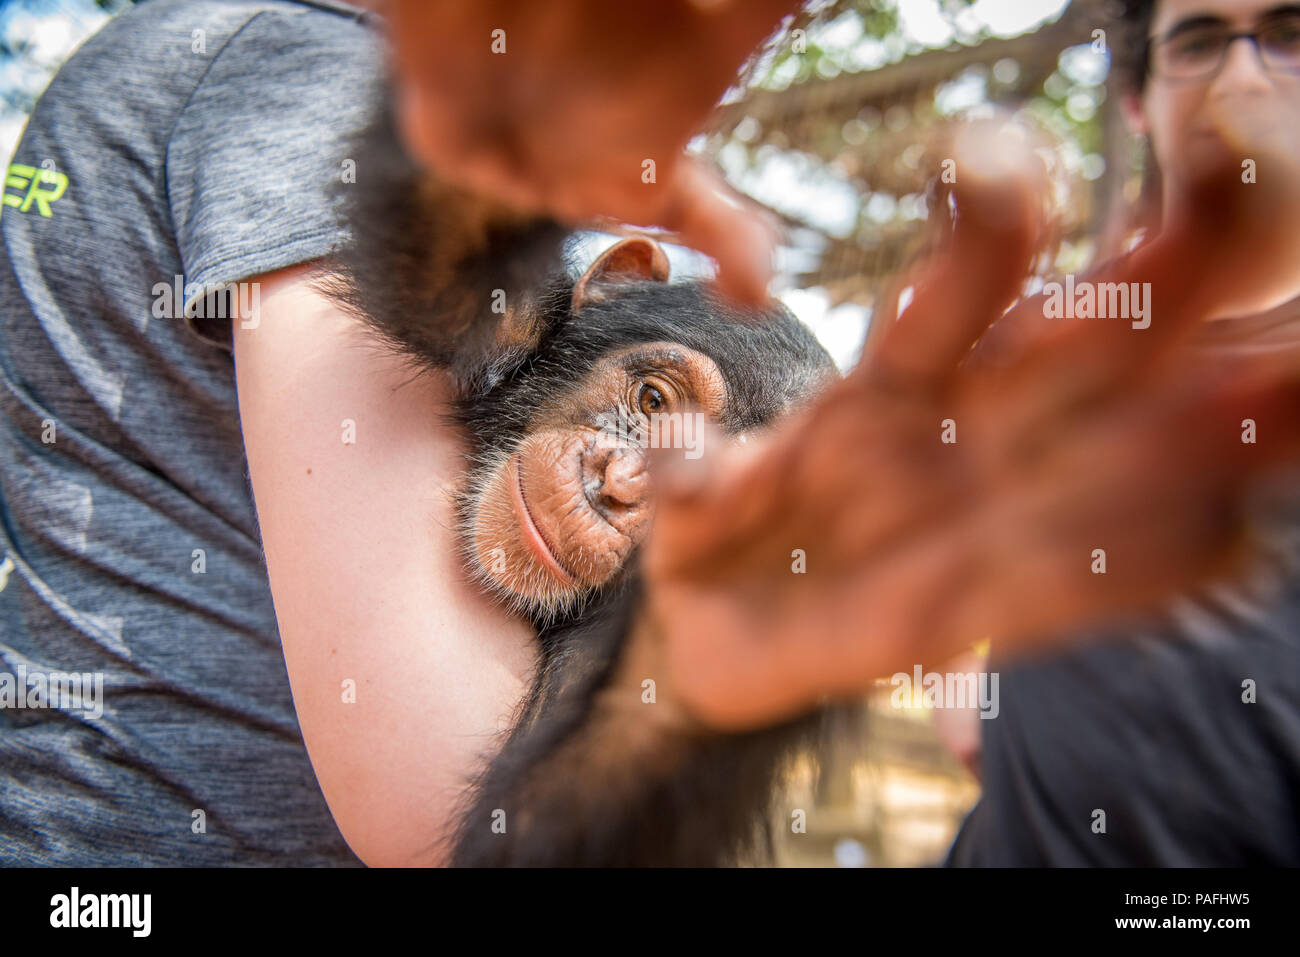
{"x": 41, "y": 186}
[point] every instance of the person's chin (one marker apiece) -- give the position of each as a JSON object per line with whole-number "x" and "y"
{"x": 1253, "y": 124}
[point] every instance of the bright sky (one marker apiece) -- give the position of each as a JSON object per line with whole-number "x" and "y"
{"x": 922, "y": 21}
{"x": 817, "y": 195}
{"x": 51, "y": 29}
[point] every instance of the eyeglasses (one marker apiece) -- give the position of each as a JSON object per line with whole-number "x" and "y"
{"x": 1199, "y": 51}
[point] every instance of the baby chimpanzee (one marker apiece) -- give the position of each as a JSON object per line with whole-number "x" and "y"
{"x": 555, "y": 374}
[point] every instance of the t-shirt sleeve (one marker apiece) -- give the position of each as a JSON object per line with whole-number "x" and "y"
{"x": 253, "y": 155}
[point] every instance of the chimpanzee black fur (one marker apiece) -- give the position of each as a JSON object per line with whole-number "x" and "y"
{"x": 420, "y": 271}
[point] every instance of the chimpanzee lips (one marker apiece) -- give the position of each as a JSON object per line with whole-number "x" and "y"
{"x": 532, "y": 533}
{"x": 556, "y": 526}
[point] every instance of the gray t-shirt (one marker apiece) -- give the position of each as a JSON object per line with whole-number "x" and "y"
{"x": 188, "y": 143}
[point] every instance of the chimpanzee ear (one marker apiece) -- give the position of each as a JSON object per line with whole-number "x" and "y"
{"x": 637, "y": 259}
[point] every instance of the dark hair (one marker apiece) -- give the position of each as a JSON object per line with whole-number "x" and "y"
{"x": 1131, "y": 49}
{"x": 1130, "y": 63}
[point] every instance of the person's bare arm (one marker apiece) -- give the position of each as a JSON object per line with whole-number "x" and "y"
{"x": 367, "y": 588}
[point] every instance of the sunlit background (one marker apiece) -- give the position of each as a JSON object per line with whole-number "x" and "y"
{"x": 840, "y": 131}
{"x": 843, "y": 137}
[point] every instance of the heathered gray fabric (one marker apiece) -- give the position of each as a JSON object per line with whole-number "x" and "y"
{"x": 208, "y": 160}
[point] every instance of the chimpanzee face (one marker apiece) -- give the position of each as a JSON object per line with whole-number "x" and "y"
{"x": 559, "y": 495}
{"x": 559, "y": 515}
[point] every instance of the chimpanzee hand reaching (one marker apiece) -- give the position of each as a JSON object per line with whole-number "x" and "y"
{"x": 938, "y": 505}
{"x": 555, "y": 108}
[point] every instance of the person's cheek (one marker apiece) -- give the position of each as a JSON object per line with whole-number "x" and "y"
{"x": 1186, "y": 139}
{"x": 1162, "y": 126}
{"x": 1290, "y": 101}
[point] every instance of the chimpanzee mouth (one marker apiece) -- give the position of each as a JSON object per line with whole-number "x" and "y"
{"x": 533, "y": 533}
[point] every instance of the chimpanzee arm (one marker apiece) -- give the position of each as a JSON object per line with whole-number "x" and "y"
{"x": 593, "y": 776}
{"x": 439, "y": 273}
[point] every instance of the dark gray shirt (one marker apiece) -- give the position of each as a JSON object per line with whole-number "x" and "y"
{"x": 1174, "y": 741}
{"x": 1177, "y": 745}
{"x": 188, "y": 144}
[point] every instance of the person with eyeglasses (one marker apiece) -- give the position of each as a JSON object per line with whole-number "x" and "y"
{"x": 1178, "y": 745}
{"x": 1195, "y": 47}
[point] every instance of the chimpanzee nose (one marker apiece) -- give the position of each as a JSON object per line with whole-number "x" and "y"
{"x": 616, "y": 479}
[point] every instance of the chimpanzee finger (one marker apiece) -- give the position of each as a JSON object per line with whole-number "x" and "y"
{"x": 705, "y": 496}
{"x": 706, "y": 214}
{"x": 1131, "y": 312}
{"x": 999, "y": 197}
{"x": 1148, "y": 500}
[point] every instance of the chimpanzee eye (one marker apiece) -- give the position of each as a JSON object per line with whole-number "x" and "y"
{"x": 650, "y": 400}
